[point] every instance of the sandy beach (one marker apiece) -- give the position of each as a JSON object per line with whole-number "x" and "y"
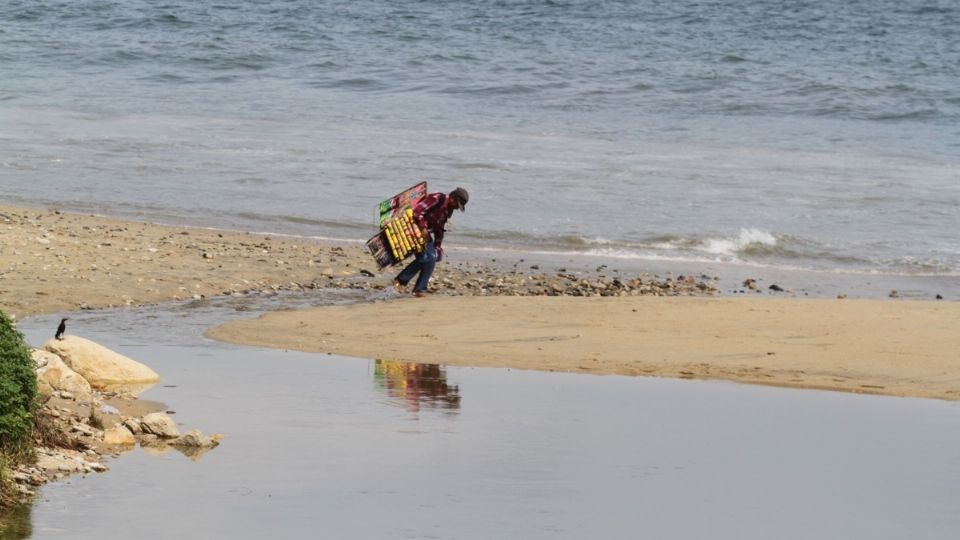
{"x": 55, "y": 262}
{"x": 878, "y": 347}
{"x": 52, "y": 261}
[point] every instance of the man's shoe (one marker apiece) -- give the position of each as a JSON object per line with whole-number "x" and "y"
{"x": 397, "y": 286}
{"x": 420, "y": 294}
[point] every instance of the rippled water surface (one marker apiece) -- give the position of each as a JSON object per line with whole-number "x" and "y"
{"x": 812, "y": 135}
{"x": 328, "y": 446}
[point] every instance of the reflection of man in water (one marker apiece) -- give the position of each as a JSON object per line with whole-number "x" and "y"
{"x": 417, "y": 384}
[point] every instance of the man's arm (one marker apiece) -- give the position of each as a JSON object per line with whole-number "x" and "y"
{"x": 437, "y": 239}
{"x": 420, "y": 210}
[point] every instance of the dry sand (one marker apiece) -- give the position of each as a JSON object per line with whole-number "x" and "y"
{"x": 903, "y": 348}
{"x": 52, "y": 262}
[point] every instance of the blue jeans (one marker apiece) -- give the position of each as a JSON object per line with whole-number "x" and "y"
{"x": 423, "y": 263}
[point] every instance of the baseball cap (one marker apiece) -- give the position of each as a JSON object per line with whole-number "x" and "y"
{"x": 462, "y": 196}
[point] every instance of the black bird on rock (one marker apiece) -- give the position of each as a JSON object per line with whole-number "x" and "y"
{"x": 62, "y": 328}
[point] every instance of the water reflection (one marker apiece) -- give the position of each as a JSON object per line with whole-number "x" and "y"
{"x": 417, "y": 385}
{"x": 15, "y": 522}
{"x": 131, "y": 389}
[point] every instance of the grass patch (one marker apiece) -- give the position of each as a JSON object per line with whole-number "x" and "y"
{"x": 94, "y": 420}
{"x": 46, "y": 432}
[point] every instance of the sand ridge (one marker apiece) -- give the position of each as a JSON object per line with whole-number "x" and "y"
{"x": 902, "y": 348}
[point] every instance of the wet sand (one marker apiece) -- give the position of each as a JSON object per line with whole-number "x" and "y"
{"x": 53, "y": 262}
{"x": 900, "y": 348}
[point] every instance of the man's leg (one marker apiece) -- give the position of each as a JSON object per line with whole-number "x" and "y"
{"x": 407, "y": 274}
{"x": 428, "y": 259}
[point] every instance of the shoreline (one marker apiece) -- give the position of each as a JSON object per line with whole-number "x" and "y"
{"x": 55, "y": 261}
{"x": 730, "y": 275}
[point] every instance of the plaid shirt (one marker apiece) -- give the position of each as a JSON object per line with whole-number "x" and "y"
{"x": 431, "y": 214}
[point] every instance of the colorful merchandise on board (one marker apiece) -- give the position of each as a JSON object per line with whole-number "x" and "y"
{"x": 399, "y": 236}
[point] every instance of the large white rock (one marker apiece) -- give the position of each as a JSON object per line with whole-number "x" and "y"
{"x": 100, "y": 366}
{"x": 160, "y": 425}
{"x": 53, "y": 374}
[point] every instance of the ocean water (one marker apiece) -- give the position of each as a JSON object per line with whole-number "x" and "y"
{"x": 817, "y": 135}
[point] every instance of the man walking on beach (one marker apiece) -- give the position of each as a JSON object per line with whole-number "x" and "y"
{"x": 430, "y": 214}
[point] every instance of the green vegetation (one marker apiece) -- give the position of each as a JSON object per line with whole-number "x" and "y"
{"x": 18, "y": 392}
{"x": 18, "y": 387}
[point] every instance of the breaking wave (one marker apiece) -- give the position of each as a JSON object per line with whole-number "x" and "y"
{"x": 750, "y": 246}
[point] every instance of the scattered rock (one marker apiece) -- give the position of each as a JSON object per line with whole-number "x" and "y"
{"x": 133, "y": 425}
{"x": 194, "y": 438}
{"x": 119, "y": 435}
{"x": 159, "y": 424}
{"x": 82, "y": 429}
{"x": 776, "y": 288}
{"x": 894, "y": 294}
{"x": 479, "y": 282}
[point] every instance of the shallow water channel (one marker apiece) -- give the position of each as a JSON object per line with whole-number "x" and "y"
{"x": 322, "y": 446}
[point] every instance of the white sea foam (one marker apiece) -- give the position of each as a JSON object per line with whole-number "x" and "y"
{"x": 632, "y": 255}
{"x": 730, "y": 246}
{"x": 667, "y": 246}
{"x": 647, "y": 256}
{"x": 600, "y": 241}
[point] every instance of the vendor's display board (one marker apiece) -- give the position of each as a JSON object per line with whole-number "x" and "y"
{"x": 395, "y": 206}
{"x": 399, "y": 236}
